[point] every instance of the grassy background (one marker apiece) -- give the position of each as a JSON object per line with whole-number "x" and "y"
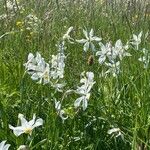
{"x": 122, "y": 102}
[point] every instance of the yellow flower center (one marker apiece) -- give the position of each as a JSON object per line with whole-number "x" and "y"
{"x": 28, "y": 130}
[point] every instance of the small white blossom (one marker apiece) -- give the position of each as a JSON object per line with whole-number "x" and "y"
{"x": 116, "y": 132}
{"x": 136, "y": 40}
{"x": 88, "y": 42}
{"x": 3, "y": 146}
{"x": 26, "y": 127}
{"x": 84, "y": 90}
{"x": 60, "y": 111}
{"x": 23, "y": 147}
{"x": 145, "y": 58}
{"x": 66, "y": 36}
{"x": 57, "y": 66}
{"x": 105, "y": 51}
{"x": 120, "y": 50}
{"x": 114, "y": 68}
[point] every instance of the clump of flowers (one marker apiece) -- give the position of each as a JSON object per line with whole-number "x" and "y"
{"x": 37, "y": 68}
{"x": 44, "y": 72}
{"x": 84, "y": 90}
{"x": 112, "y": 55}
{"x": 26, "y": 127}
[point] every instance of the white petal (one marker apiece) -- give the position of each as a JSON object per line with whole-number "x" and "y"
{"x": 35, "y": 76}
{"x": 91, "y": 33}
{"x": 85, "y": 33}
{"x": 2, "y": 145}
{"x": 69, "y": 30}
{"x": 95, "y": 38}
{"x": 57, "y": 105}
{"x": 113, "y": 130}
{"x": 24, "y": 122}
{"x": 82, "y": 41}
{"x": 101, "y": 59}
{"x": 38, "y": 122}
{"x": 140, "y": 35}
{"x": 62, "y": 112}
{"x": 6, "y": 147}
{"x": 135, "y": 37}
{"x": 118, "y": 43}
{"x": 86, "y": 46}
{"x": 30, "y": 56}
{"x": 31, "y": 122}
{"x": 92, "y": 46}
{"x": 84, "y": 104}
{"x": 17, "y": 130}
{"x": 78, "y": 101}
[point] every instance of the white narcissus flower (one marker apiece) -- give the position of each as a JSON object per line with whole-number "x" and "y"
{"x": 120, "y": 50}
{"x": 3, "y": 146}
{"x": 26, "y": 127}
{"x": 60, "y": 111}
{"x": 114, "y": 68}
{"x": 116, "y": 132}
{"x": 84, "y": 90}
{"x": 105, "y": 51}
{"x": 88, "y": 42}
{"x": 145, "y": 58}
{"x": 57, "y": 66}
{"x": 136, "y": 40}
{"x": 112, "y": 52}
{"x": 66, "y": 36}
{"x": 38, "y": 68}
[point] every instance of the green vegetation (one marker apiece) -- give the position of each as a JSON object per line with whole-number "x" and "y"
{"x": 119, "y": 101}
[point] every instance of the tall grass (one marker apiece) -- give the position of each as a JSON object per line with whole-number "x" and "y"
{"x": 122, "y": 102}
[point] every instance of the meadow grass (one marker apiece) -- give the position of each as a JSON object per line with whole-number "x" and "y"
{"x": 116, "y": 102}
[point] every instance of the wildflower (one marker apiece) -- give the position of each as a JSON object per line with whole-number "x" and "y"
{"x": 105, "y": 49}
{"x": 136, "y": 40}
{"x": 84, "y": 90}
{"x": 88, "y": 42}
{"x": 145, "y": 58}
{"x": 26, "y": 127}
{"x": 66, "y": 36}
{"x": 60, "y": 111}
{"x": 3, "y": 146}
{"x": 57, "y": 66}
{"x": 38, "y": 68}
{"x": 120, "y": 50}
{"x": 112, "y": 52}
{"x": 116, "y": 132}
{"x": 114, "y": 68}
{"x": 23, "y": 147}
{"x": 58, "y": 86}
